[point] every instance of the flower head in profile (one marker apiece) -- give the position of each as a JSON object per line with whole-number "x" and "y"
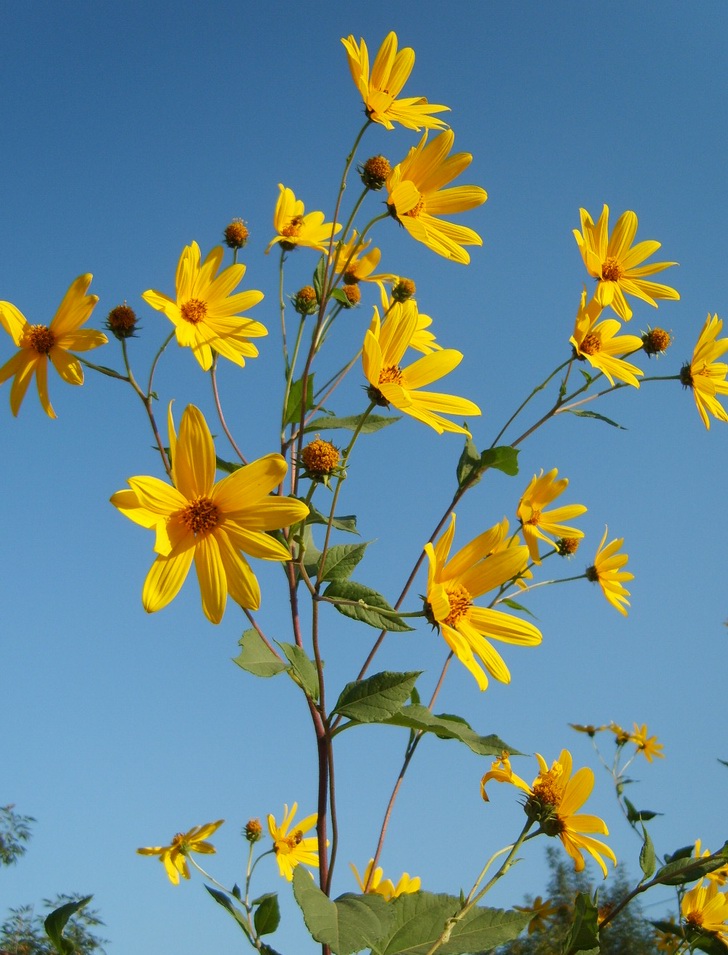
{"x": 41, "y": 345}
{"x": 423, "y": 340}
{"x": 380, "y": 87}
{"x": 608, "y": 571}
{"x": 374, "y": 884}
{"x": 599, "y": 344}
{"x": 291, "y": 844}
{"x": 615, "y": 262}
{"x": 705, "y": 375}
{"x": 720, "y": 875}
{"x": 588, "y": 728}
{"x": 356, "y": 261}
{"x": 454, "y": 583}
{"x": 211, "y": 523}
{"x": 704, "y": 908}
{"x": 539, "y": 524}
{"x": 553, "y": 800}
{"x": 296, "y": 227}
{"x": 417, "y": 197}
{"x": 541, "y": 911}
{"x": 205, "y": 314}
{"x": 647, "y": 745}
{"x": 174, "y": 856}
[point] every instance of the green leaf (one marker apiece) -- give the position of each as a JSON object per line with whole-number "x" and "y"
{"x": 256, "y": 657}
{"x": 222, "y": 899}
{"x": 514, "y": 605}
{"x": 682, "y": 870}
{"x": 447, "y": 726}
{"x": 376, "y": 698}
{"x": 503, "y": 459}
{"x": 373, "y": 423}
{"x": 302, "y": 669}
{"x": 229, "y": 467}
{"x": 469, "y": 468}
{"x": 56, "y": 921}
{"x": 319, "y": 275}
{"x": 293, "y": 408}
{"x": 482, "y": 929}
{"x": 599, "y": 417}
{"x": 722, "y": 761}
{"x": 339, "y": 295}
{"x": 267, "y": 916}
{"x": 471, "y": 465}
{"x": 583, "y": 935}
{"x": 345, "y": 523}
{"x": 341, "y": 559}
{"x": 638, "y": 815}
{"x": 348, "y": 924}
{"x": 647, "y": 855}
{"x": 368, "y": 606}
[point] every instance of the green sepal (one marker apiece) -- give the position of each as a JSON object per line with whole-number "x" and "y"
{"x": 57, "y": 920}
{"x": 229, "y": 467}
{"x": 293, "y": 408}
{"x": 599, "y": 417}
{"x": 472, "y": 465}
{"x": 368, "y": 606}
{"x": 447, "y": 726}
{"x": 514, "y": 605}
{"x": 679, "y": 871}
{"x": 648, "y": 862}
{"x": 222, "y": 899}
{"x": 267, "y": 916}
{"x": 583, "y": 935}
{"x": 340, "y": 561}
{"x": 373, "y": 423}
{"x": 345, "y": 523}
{"x": 376, "y": 698}
{"x": 302, "y": 669}
{"x": 256, "y": 657}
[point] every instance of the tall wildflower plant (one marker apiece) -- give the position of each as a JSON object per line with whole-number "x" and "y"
{"x": 214, "y": 512}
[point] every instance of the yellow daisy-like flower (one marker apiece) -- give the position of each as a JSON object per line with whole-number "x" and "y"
{"x": 706, "y": 376}
{"x": 423, "y": 340}
{"x": 208, "y": 522}
{"x": 173, "y": 856}
{"x": 205, "y": 315}
{"x": 608, "y": 573}
{"x": 356, "y": 261}
{"x": 416, "y": 196}
{"x": 539, "y": 524}
{"x": 553, "y": 800}
{"x": 719, "y": 876}
{"x": 541, "y": 912}
{"x": 385, "y": 887}
{"x": 598, "y": 343}
{"x": 615, "y": 262}
{"x": 290, "y": 843}
{"x": 297, "y": 228}
{"x": 453, "y": 583}
{"x": 704, "y": 908}
{"x": 40, "y": 345}
{"x": 647, "y": 745}
{"x": 390, "y": 384}
{"x": 380, "y": 88}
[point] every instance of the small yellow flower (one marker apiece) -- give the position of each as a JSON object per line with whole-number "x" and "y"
{"x": 386, "y": 888}
{"x": 173, "y": 856}
{"x": 297, "y": 228}
{"x": 621, "y": 736}
{"x": 598, "y": 343}
{"x": 41, "y": 345}
{"x": 539, "y": 524}
{"x": 608, "y": 573}
{"x": 719, "y": 876}
{"x": 541, "y": 911}
{"x": 647, "y": 745}
{"x": 356, "y": 261}
{"x": 615, "y": 262}
{"x": 380, "y": 88}
{"x": 403, "y": 290}
{"x": 290, "y": 843}
{"x": 704, "y": 908}
{"x": 706, "y": 376}
{"x": 205, "y": 315}
{"x": 416, "y": 196}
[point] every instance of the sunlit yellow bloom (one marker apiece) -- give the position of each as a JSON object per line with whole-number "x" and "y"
{"x": 416, "y": 196}
{"x": 43, "y": 344}
{"x": 705, "y": 908}
{"x": 453, "y": 583}
{"x": 380, "y": 89}
{"x": 621, "y": 736}
{"x": 719, "y": 876}
{"x": 385, "y": 887}
{"x": 608, "y": 573}
{"x": 356, "y": 261}
{"x": 647, "y": 745}
{"x": 540, "y": 910}
{"x": 553, "y": 799}
{"x": 390, "y": 384}
{"x": 295, "y": 228}
{"x": 290, "y": 843}
{"x": 539, "y": 524}
{"x": 598, "y": 343}
{"x": 205, "y": 315}
{"x": 423, "y": 340}
{"x": 615, "y": 262}
{"x": 173, "y": 856}
{"x": 705, "y": 375}
{"x": 209, "y": 522}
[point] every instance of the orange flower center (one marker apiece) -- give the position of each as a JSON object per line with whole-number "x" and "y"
{"x": 592, "y": 344}
{"x": 612, "y": 270}
{"x": 179, "y": 843}
{"x": 460, "y": 602}
{"x": 193, "y": 311}
{"x": 40, "y": 338}
{"x": 200, "y": 516}
{"x": 293, "y": 228}
{"x": 417, "y": 210}
{"x": 548, "y": 788}
{"x": 534, "y": 518}
{"x": 289, "y": 843}
{"x": 392, "y": 373}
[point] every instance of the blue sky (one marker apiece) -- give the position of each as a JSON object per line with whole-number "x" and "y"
{"x": 130, "y": 130}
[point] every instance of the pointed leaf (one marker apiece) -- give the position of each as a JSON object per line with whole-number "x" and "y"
{"x": 373, "y": 423}
{"x": 302, "y": 669}
{"x": 319, "y": 276}
{"x": 638, "y": 815}
{"x": 469, "y": 468}
{"x": 446, "y": 726}
{"x": 599, "y": 417}
{"x": 267, "y": 915}
{"x": 376, "y": 698}
{"x": 57, "y": 920}
{"x": 647, "y": 855}
{"x": 683, "y": 870}
{"x": 222, "y": 899}
{"x": 256, "y": 657}
{"x": 345, "y": 523}
{"x": 227, "y": 466}
{"x": 341, "y": 559}
{"x": 503, "y": 459}
{"x": 295, "y": 395}
{"x": 583, "y": 935}
{"x": 366, "y": 605}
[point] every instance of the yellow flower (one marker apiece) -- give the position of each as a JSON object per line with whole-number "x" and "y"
{"x": 41, "y": 344}
{"x": 173, "y": 856}
{"x": 705, "y": 375}
{"x": 541, "y": 911}
{"x": 608, "y": 573}
{"x": 416, "y": 196}
{"x": 390, "y": 384}
{"x": 209, "y": 522}
{"x": 598, "y": 343}
{"x": 536, "y": 522}
{"x": 719, "y": 876}
{"x": 295, "y": 228}
{"x": 453, "y": 583}
{"x": 290, "y": 844}
{"x": 704, "y": 908}
{"x": 379, "y": 90}
{"x": 386, "y": 888}
{"x": 205, "y": 315}
{"x": 621, "y": 736}
{"x": 615, "y": 263}
{"x": 553, "y": 799}
{"x": 647, "y": 745}
{"x": 356, "y": 261}
{"x": 423, "y": 340}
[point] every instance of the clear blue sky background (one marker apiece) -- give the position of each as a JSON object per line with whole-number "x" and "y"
{"x": 131, "y": 129}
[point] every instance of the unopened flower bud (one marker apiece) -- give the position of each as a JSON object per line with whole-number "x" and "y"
{"x": 567, "y": 546}
{"x": 656, "y": 341}
{"x": 236, "y": 234}
{"x": 305, "y": 301}
{"x": 403, "y": 289}
{"x": 320, "y": 459}
{"x": 121, "y": 321}
{"x": 374, "y": 172}
{"x": 253, "y": 830}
